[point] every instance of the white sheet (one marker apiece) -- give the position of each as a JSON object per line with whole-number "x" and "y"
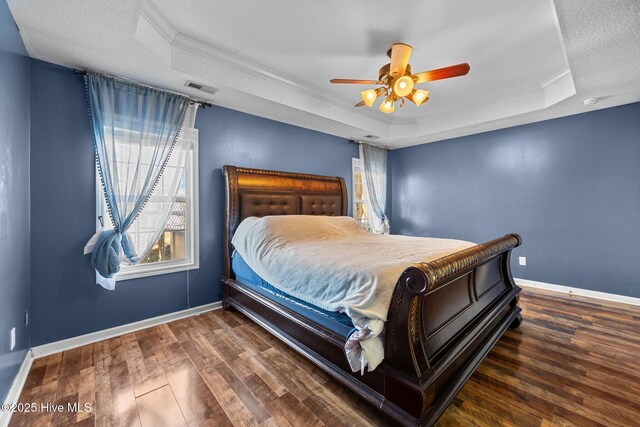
{"x": 335, "y": 264}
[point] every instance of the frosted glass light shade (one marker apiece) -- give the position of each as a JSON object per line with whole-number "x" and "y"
{"x": 368, "y": 96}
{"x": 420, "y": 96}
{"x": 387, "y": 106}
{"x": 403, "y": 86}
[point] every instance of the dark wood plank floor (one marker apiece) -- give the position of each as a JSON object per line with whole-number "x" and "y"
{"x": 574, "y": 361}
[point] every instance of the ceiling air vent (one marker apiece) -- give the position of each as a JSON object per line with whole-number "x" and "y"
{"x": 372, "y": 137}
{"x": 209, "y": 89}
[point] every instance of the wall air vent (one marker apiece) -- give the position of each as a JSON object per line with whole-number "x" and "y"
{"x": 374, "y": 137}
{"x": 209, "y": 89}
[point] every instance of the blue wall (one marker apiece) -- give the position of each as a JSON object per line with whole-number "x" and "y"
{"x": 14, "y": 197}
{"x": 65, "y": 300}
{"x": 569, "y": 186}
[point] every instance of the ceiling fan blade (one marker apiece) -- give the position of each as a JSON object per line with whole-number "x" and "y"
{"x": 360, "y": 104}
{"x": 400, "y": 54}
{"x": 442, "y": 73}
{"x": 356, "y": 82}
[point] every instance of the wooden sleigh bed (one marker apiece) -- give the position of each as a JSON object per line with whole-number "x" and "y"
{"x": 444, "y": 317}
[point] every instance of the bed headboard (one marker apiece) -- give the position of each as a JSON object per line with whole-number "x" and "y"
{"x": 258, "y": 192}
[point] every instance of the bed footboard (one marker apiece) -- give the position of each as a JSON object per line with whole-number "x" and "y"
{"x": 444, "y": 318}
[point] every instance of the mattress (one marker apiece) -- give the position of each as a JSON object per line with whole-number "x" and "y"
{"x": 336, "y": 265}
{"x": 337, "y": 322}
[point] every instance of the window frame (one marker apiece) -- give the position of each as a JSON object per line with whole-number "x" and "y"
{"x": 192, "y": 227}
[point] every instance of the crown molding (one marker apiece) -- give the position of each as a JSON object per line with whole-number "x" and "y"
{"x": 239, "y": 63}
{"x": 241, "y": 79}
{"x": 433, "y": 126}
{"x": 467, "y": 107}
{"x": 151, "y": 13}
{"x": 558, "y": 88}
{"x": 177, "y": 40}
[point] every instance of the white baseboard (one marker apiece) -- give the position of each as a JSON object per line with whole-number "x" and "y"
{"x": 58, "y": 346}
{"x": 577, "y": 291}
{"x": 16, "y": 387}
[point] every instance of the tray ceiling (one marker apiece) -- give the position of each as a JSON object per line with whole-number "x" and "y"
{"x": 274, "y": 59}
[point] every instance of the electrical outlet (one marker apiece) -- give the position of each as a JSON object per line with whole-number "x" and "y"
{"x": 522, "y": 260}
{"x": 13, "y": 338}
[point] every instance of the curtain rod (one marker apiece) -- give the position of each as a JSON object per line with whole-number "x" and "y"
{"x": 204, "y": 104}
{"x": 357, "y": 142}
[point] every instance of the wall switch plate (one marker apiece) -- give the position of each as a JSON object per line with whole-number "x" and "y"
{"x": 522, "y": 260}
{"x": 13, "y": 338}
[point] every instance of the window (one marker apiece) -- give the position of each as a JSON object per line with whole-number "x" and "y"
{"x": 177, "y": 247}
{"x": 359, "y": 203}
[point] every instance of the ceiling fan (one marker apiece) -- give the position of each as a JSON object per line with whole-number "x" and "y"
{"x": 398, "y": 83}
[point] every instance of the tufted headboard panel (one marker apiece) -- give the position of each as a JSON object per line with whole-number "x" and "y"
{"x": 257, "y": 192}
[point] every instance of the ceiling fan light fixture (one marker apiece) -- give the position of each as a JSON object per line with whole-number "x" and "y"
{"x": 369, "y": 96}
{"x": 399, "y": 82}
{"x": 403, "y": 86}
{"x": 419, "y": 97}
{"x": 387, "y": 106}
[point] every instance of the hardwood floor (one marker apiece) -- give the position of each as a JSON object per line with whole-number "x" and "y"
{"x": 574, "y": 361}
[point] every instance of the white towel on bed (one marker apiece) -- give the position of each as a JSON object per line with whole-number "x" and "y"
{"x": 335, "y": 264}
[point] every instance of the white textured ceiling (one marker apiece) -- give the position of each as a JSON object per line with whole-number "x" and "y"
{"x": 530, "y": 60}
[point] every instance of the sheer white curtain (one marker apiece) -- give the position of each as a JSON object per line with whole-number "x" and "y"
{"x": 135, "y": 154}
{"x": 150, "y": 223}
{"x": 374, "y": 161}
